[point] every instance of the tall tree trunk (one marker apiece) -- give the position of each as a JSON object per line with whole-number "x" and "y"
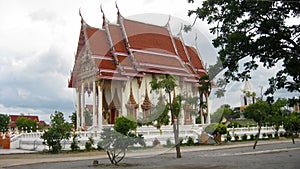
{"x": 175, "y": 128}
{"x": 259, "y": 128}
{"x": 201, "y": 108}
{"x": 207, "y": 111}
{"x": 290, "y": 129}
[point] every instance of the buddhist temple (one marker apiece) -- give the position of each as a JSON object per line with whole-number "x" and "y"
{"x": 115, "y": 63}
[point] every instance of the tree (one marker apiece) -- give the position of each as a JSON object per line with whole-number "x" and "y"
{"x": 116, "y": 141}
{"x": 278, "y": 113}
{"x": 26, "y": 124}
{"x": 256, "y": 31}
{"x": 258, "y": 112}
{"x": 253, "y": 111}
{"x": 168, "y": 83}
{"x": 204, "y": 91}
{"x": 292, "y": 123}
{"x": 73, "y": 119}
{"x": 59, "y": 130}
{"x": 4, "y": 121}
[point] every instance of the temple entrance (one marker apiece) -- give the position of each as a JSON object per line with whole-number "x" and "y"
{"x": 113, "y": 115}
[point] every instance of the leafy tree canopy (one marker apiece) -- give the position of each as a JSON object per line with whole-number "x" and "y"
{"x": 255, "y": 30}
{"x": 4, "y": 121}
{"x": 253, "y": 111}
{"x": 26, "y": 124}
{"x": 124, "y": 125}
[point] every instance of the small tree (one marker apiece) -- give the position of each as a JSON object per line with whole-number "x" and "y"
{"x": 59, "y": 130}
{"x": 168, "y": 83}
{"x": 116, "y": 141}
{"x": 257, "y": 111}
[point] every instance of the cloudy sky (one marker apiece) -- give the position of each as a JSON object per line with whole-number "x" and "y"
{"x": 39, "y": 39}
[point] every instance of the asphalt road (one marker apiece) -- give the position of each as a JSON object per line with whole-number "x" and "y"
{"x": 276, "y": 155}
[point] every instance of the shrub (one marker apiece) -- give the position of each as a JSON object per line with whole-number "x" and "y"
{"x": 252, "y": 137}
{"x": 215, "y": 128}
{"x": 74, "y": 144}
{"x": 270, "y": 135}
{"x": 236, "y": 137}
{"x": 276, "y": 135}
{"x": 281, "y": 134}
{"x": 228, "y": 137}
{"x": 89, "y": 144}
{"x": 155, "y": 142}
{"x": 244, "y": 137}
{"x": 180, "y": 140}
{"x": 190, "y": 141}
{"x": 99, "y": 146}
{"x": 264, "y": 135}
{"x": 168, "y": 142}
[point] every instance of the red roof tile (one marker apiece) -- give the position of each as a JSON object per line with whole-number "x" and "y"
{"x": 117, "y": 39}
{"x": 98, "y": 42}
{"x": 153, "y": 50}
{"x": 195, "y": 60}
{"x": 148, "y": 37}
{"x": 180, "y": 49}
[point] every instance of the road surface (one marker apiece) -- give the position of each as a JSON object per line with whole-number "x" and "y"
{"x": 277, "y": 154}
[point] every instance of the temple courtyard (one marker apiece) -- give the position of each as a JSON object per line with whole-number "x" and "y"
{"x": 268, "y": 154}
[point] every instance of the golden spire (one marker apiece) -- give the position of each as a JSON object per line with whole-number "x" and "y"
{"x": 147, "y": 103}
{"x": 131, "y": 102}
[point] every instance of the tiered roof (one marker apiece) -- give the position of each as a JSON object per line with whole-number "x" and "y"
{"x": 132, "y": 49}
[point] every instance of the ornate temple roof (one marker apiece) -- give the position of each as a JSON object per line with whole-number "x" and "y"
{"x": 131, "y": 49}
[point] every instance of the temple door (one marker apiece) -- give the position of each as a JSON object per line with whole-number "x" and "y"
{"x": 112, "y": 116}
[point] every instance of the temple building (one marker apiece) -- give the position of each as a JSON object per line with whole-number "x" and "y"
{"x": 248, "y": 97}
{"x": 115, "y": 63}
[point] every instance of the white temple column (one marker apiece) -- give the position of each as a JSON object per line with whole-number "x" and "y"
{"x": 182, "y": 116}
{"x": 100, "y": 107}
{"x": 94, "y": 104}
{"x": 82, "y": 106}
{"x": 194, "y": 119}
{"x": 78, "y": 109}
{"x": 208, "y": 111}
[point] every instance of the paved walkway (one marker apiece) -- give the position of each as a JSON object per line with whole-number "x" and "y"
{"x": 15, "y": 157}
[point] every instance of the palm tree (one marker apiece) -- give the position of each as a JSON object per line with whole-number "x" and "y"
{"x": 204, "y": 91}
